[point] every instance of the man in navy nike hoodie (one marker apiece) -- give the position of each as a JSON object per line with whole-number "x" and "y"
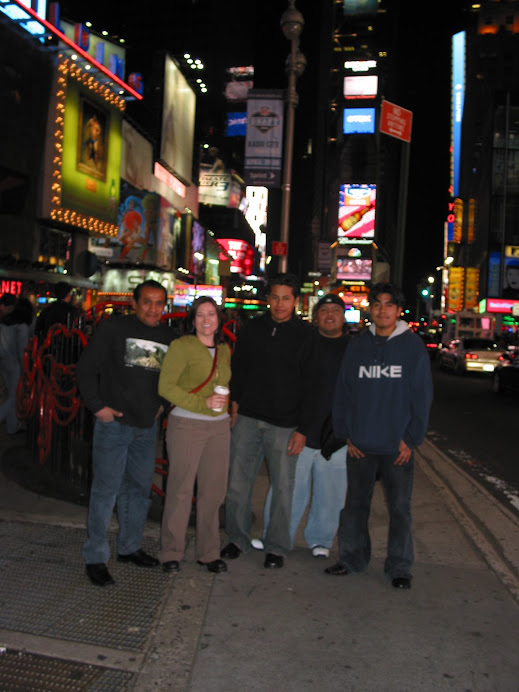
{"x": 381, "y": 406}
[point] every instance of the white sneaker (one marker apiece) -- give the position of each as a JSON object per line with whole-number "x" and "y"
{"x": 257, "y": 544}
{"x": 320, "y": 551}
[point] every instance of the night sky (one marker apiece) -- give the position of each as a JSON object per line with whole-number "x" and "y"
{"x": 233, "y": 33}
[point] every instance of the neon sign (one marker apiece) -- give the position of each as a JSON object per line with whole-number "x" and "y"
{"x": 29, "y": 19}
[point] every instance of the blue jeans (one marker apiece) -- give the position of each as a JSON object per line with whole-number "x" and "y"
{"x": 251, "y": 441}
{"x": 325, "y": 482}
{"x": 123, "y": 459}
{"x": 354, "y": 540}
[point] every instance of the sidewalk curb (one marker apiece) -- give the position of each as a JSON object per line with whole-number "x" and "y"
{"x": 490, "y": 526}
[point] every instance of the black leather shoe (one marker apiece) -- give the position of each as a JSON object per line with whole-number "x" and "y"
{"x": 171, "y": 566}
{"x": 216, "y": 566}
{"x": 99, "y": 574}
{"x": 337, "y": 570}
{"x": 139, "y": 558}
{"x": 401, "y": 582}
{"x": 273, "y": 561}
{"x": 230, "y": 552}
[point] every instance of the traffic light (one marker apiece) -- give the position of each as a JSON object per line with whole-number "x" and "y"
{"x": 425, "y": 292}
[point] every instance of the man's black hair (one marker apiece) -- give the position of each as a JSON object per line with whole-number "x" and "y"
{"x": 8, "y": 300}
{"x": 61, "y": 290}
{"x": 397, "y": 297}
{"x": 149, "y": 283}
{"x": 290, "y": 280}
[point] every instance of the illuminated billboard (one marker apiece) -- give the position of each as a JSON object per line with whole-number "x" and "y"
{"x": 136, "y": 157}
{"x": 354, "y": 262}
{"x": 91, "y": 155}
{"x": 358, "y": 121}
{"x": 139, "y": 227}
{"x": 178, "y": 121}
{"x": 357, "y": 206}
{"x": 236, "y": 125}
{"x": 264, "y": 140}
{"x": 351, "y": 7}
{"x": 457, "y": 104}
{"x": 360, "y": 87}
{"x": 242, "y": 255}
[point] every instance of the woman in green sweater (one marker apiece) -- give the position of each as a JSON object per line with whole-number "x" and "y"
{"x": 198, "y": 437}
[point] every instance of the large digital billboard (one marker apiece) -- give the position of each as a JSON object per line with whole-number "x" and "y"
{"x": 357, "y": 205}
{"x": 358, "y": 121}
{"x": 91, "y": 158}
{"x": 354, "y": 261}
{"x": 178, "y": 121}
{"x": 360, "y": 86}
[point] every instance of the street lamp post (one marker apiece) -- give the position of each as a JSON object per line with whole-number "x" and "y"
{"x": 292, "y": 22}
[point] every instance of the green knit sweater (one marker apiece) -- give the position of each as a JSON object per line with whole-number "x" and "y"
{"x": 187, "y": 364}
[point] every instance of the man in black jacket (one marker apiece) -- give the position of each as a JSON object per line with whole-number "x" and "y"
{"x": 117, "y": 376}
{"x": 272, "y": 368}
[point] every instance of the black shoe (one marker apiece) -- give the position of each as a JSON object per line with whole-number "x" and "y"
{"x": 171, "y": 566}
{"x": 216, "y": 566}
{"x": 337, "y": 570}
{"x": 401, "y": 582}
{"x": 230, "y": 552}
{"x": 99, "y": 574}
{"x": 273, "y": 561}
{"x": 139, "y": 558}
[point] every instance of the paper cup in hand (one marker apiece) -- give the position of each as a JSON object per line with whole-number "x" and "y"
{"x": 220, "y": 389}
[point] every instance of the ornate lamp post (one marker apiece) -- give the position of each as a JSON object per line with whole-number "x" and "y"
{"x": 292, "y": 22}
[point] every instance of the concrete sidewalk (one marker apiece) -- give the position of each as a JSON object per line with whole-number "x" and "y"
{"x": 256, "y": 629}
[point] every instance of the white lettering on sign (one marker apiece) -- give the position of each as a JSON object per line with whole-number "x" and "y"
{"x": 377, "y": 372}
{"x": 358, "y": 118}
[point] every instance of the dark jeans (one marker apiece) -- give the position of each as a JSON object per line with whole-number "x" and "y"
{"x": 123, "y": 460}
{"x": 354, "y": 540}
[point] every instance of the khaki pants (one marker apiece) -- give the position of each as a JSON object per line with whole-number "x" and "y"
{"x": 197, "y": 449}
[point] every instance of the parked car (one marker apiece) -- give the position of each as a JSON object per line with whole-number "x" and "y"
{"x": 431, "y": 342}
{"x": 506, "y": 374}
{"x": 471, "y": 354}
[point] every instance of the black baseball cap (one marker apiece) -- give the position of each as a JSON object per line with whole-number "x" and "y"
{"x": 330, "y": 298}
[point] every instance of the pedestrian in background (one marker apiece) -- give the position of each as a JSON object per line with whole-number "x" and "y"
{"x": 195, "y": 378}
{"x": 381, "y": 406}
{"x": 15, "y": 332}
{"x": 272, "y": 409}
{"x": 60, "y": 311}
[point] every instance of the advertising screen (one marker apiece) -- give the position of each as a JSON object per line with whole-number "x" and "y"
{"x": 354, "y": 262}
{"x": 359, "y": 6}
{"x": 178, "y": 121}
{"x": 352, "y": 316}
{"x": 357, "y": 205}
{"x": 360, "y": 87}
{"x": 136, "y": 157}
{"x": 91, "y": 158}
{"x": 197, "y": 249}
{"x": 138, "y": 223}
{"x": 264, "y": 140}
{"x": 242, "y": 255}
{"x": 359, "y": 121}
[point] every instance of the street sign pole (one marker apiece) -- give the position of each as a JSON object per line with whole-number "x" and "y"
{"x": 396, "y": 121}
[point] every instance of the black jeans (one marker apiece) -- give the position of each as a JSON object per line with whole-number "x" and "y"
{"x": 354, "y": 540}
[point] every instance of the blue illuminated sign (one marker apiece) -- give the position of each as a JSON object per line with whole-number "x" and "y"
{"x": 236, "y": 125}
{"x": 458, "y": 100}
{"x": 359, "y": 120}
